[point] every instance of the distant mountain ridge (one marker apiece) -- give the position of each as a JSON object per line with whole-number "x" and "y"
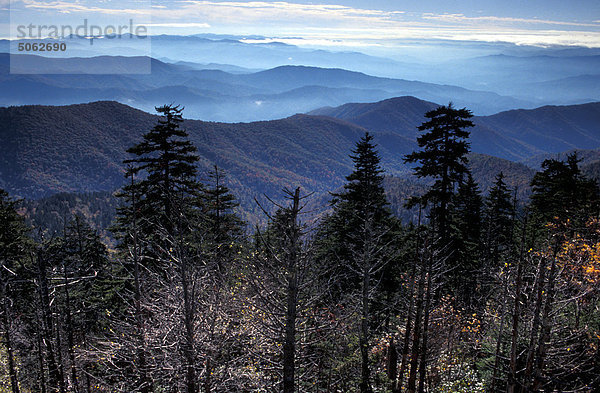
{"x": 524, "y": 76}
{"x": 216, "y": 95}
{"x": 514, "y": 135}
{"x": 551, "y": 128}
{"x": 80, "y": 148}
{"x": 48, "y": 149}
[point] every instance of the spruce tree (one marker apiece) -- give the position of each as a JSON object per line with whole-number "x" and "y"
{"x": 164, "y": 164}
{"x": 77, "y": 263}
{"x": 283, "y": 252}
{"x": 162, "y": 190}
{"x": 465, "y": 234}
{"x": 443, "y": 157}
{"x": 222, "y": 227}
{"x": 467, "y": 224}
{"x": 13, "y": 292}
{"x": 561, "y": 193}
{"x": 156, "y": 226}
{"x": 498, "y": 218}
{"x": 363, "y": 197}
{"x": 364, "y": 191}
{"x": 87, "y": 264}
{"x": 354, "y": 243}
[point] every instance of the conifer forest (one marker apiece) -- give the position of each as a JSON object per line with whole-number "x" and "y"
{"x": 476, "y": 292}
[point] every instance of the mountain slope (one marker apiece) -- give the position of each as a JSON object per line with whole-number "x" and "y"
{"x": 514, "y": 135}
{"x": 213, "y": 94}
{"x": 49, "y": 149}
{"x": 81, "y": 148}
{"x": 551, "y": 128}
{"x": 580, "y": 88}
{"x": 399, "y": 115}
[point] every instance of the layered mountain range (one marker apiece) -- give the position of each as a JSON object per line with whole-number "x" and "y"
{"x": 216, "y": 95}
{"x": 75, "y": 148}
{"x": 239, "y": 78}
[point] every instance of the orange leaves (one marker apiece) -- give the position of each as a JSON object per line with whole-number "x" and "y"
{"x": 580, "y": 257}
{"x": 471, "y": 324}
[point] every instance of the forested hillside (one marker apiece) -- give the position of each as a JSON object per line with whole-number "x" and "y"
{"x": 48, "y": 149}
{"x": 82, "y": 148}
{"x": 487, "y": 286}
{"x": 514, "y": 135}
{"x": 99, "y": 208}
{"x": 48, "y": 216}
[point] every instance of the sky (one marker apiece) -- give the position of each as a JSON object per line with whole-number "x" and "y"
{"x": 351, "y": 23}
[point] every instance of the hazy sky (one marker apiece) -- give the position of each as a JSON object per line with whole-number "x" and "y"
{"x": 352, "y": 23}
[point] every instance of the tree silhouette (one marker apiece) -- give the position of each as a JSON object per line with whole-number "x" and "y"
{"x": 442, "y": 157}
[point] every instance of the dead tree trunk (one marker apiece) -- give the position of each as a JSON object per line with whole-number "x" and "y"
{"x": 546, "y": 327}
{"x": 289, "y": 346}
{"x": 392, "y": 364}
{"x": 409, "y": 317}
{"x": 500, "y": 332}
{"x": 416, "y": 342}
{"x": 144, "y": 383}
{"x": 69, "y": 327}
{"x": 42, "y": 378}
{"x": 12, "y": 371}
{"x": 364, "y": 334}
{"x": 189, "y": 316}
{"x": 535, "y": 324}
{"x": 512, "y": 376}
{"x": 54, "y": 376}
{"x": 407, "y": 332}
{"x": 428, "y": 296}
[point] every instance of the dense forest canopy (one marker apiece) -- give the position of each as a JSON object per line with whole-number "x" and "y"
{"x": 477, "y": 292}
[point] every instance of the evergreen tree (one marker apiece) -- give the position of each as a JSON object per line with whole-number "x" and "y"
{"x": 47, "y": 256}
{"x": 363, "y": 198}
{"x": 443, "y": 158}
{"x": 286, "y": 257}
{"x": 363, "y": 195}
{"x": 220, "y": 241}
{"x": 223, "y": 229}
{"x": 87, "y": 265}
{"x": 355, "y": 243}
{"x": 498, "y": 218}
{"x": 561, "y": 193}
{"x": 467, "y": 231}
{"x": 156, "y": 227}
{"x": 364, "y": 191}
{"x": 13, "y": 292}
{"x": 81, "y": 292}
{"x": 165, "y": 165}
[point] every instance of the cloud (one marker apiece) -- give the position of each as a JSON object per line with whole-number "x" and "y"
{"x": 331, "y": 23}
{"x": 221, "y": 10}
{"x": 230, "y": 13}
{"x": 277, "y": 12}
{"x": 337, "y": 22}
{"x": 179, "y": 25}
{"x": 461, "y": 19}
{"x": 76, "y": 7}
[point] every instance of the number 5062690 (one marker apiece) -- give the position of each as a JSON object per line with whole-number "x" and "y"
{"x": 42, "y": 47}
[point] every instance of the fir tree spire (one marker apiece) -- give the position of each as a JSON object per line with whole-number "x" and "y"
{"x": 443, "y": 157}
{"x": 364, "y": 190}
{"x": 499, "y": 215}
{"x": 164, "y": 165}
